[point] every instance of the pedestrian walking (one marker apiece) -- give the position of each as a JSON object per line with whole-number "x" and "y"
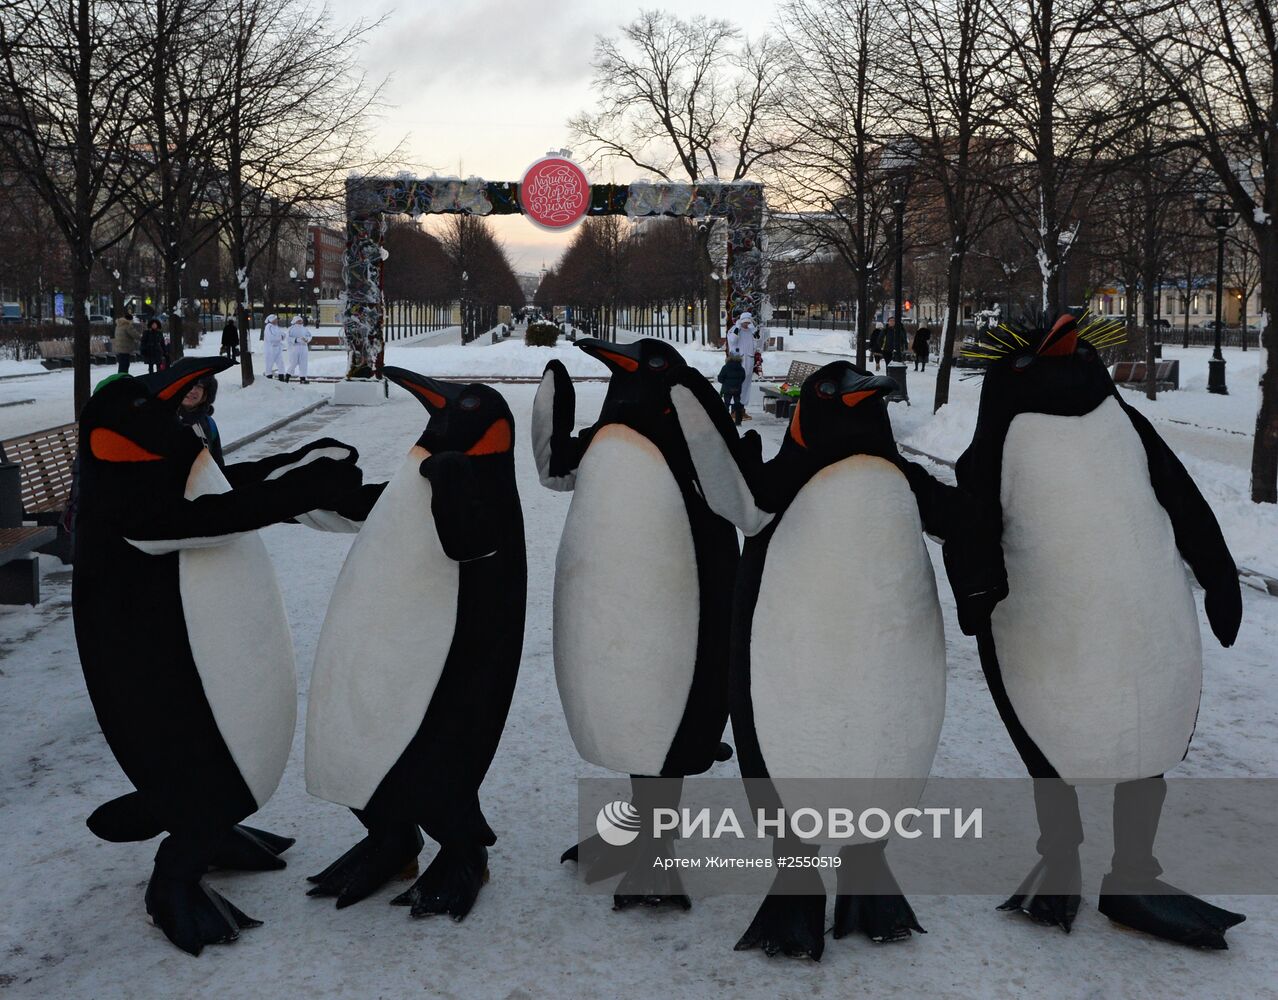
{"x": 125, "y": 342}
{"x": 231, "y": 340}
{"x": 746, "y": 342}
{"x": 731, "y": 379}
{"x": 876, "y": 346}
{"x": 273, "y": 345}
{"x": 153, "y": 350}
{"x": 299, "y": 339}
{"x": 920, "y": 347}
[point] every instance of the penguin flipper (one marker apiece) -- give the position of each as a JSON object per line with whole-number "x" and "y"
{"x": 1198, "y": 535}
{"x": 273, "y": 466}
{"x": 348, "y": 516}
{"x": 556, "y": 451}
{"x": 463, "y": 519}
{"x": 729, "y": 481}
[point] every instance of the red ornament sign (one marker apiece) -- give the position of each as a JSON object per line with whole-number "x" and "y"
{"x": 554, "y": 193}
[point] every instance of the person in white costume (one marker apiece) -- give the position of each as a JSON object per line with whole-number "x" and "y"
{"x": 299, "y": 337}
{"x": 273, "y": 344}
{"x": 745, "y": 340}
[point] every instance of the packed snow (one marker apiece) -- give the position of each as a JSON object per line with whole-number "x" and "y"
{"x": 74, "y": 923}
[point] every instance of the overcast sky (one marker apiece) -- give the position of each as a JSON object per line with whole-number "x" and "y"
{"x": 485, "y": 87}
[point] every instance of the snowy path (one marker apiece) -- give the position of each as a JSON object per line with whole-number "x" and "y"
{"x": 73, "y": 923}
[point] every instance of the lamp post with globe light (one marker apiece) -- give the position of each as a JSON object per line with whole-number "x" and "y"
{"x": 1221, "y": 218}
{"x": 789, "y": 287}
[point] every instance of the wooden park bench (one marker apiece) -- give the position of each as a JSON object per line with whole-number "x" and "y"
{"x": 779, "y": 403}
{"x": 324, "y": 341}
{"x": 46, "y": 459}
{"x": 1132, "y": 373}
{"x": 19, "y": 565}
{"x": 59, "y": 353}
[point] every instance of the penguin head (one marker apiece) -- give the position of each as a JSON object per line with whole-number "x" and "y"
{"x": 1055, "y": 371}
{"x": 841, "y": 412}
{"x": 130, "y": 425}
{"x": 473, "y": 419}
{"x": 641, "y": 374}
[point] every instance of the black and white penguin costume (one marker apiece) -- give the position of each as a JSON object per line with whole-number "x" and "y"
{"x": 197, "y": 702}
{"x": 642, "y": 588}
{"x": 1095, "y": 660}
{"x": 416, "y": 665}
{"x": 838, "y": 659}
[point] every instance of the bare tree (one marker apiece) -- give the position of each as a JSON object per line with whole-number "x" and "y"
{"x": 69, "y": 76}
{"x": 943, "y": 102}
{"x": 682, "y": 98}
{"x": 829, "y": 133}
{"x": 1060, "y": 118}
{"x": 1219, "y": 58}
{"x": 298, "y": 120}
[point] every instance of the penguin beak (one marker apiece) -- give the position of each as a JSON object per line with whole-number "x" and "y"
{"x": 170, "y": 385}
{"x": 621, "y": 358}
{"x": 433, "y": 394}
{"x": 856, "y": 387}
{"x": 1061, "y": 340}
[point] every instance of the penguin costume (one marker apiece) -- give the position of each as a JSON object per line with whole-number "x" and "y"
{"x": 418, "y": 655}
{"x": 642, "y": 595}
{"x": 1095, "y": 659}
{"x": 838, "y": 659}
{"x": 198, "y": 705}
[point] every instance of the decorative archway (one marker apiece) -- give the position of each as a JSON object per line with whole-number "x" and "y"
{"x": 369, "y": 200}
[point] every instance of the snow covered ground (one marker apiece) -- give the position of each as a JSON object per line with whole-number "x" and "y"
{"x": 73, "y": 923}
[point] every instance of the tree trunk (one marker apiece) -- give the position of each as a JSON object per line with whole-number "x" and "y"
{"x": 1147, "y": 301}
{"x": 80, "y": 336}
{"x": 1264, "y": 455}
{"x": 953, "y": 296}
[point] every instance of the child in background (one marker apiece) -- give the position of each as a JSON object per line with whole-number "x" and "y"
{"x": 732, "y": 378}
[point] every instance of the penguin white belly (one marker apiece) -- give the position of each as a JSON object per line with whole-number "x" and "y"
{"x": 240, "y": 642}
{"x": 383, "y": 645}
{"x": 627, "y": 605}
{"x": 1098, "y": 642}
{"x": 847, "y": 646}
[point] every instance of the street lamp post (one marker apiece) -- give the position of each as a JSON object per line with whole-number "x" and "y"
{"x": 1221, "y": 218}
{"x": 896, "y": 367}
{"x": 204, "y": 301}
{"x": 789, "y": 287}
{"x": 465, "y": 330}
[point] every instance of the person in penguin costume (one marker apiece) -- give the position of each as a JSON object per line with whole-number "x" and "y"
{"x": 414, "y": 672}
{"x": 838, "y": 659}
{"x": 1095, "y": 659}
{"x": 199, "y": 706}
{"x": 642, "y": 600}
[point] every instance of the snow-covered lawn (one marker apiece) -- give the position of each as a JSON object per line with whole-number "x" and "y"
{"x": 73, "y": 923}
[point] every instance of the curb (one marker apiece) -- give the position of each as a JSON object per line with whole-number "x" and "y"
{"x": 274, "y": 426}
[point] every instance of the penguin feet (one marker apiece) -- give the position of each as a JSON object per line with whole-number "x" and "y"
{"x": 651, "y": 878}
{"x": 869, "y": 899}
{"x": 792, "y": 925}
{"x": 247, "y": 849}
{"x": 598, "y": 859}
{"x": 190, "y": 913}
{"x": 1164, "y": 911}
{"x": 1040, "y": 898}
{"x": 449, "y": 885}
{"x": 368, "y": 865}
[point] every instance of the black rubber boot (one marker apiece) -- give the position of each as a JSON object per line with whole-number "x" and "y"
{"x": 1133, "y": 895}
{"x": 190, "y": 913}
{"x": 1051, "y": 892}
{"x": 450, "y": 883}
{"x": 386, "y": 852}
{"x": 791, "y": 919}
{"x": 869, "y": 900}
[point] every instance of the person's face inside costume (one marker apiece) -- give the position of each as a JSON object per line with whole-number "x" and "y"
{"x": 194, "y": 397}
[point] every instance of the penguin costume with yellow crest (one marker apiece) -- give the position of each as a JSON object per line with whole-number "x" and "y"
{"x": 418, "y": 656}
{"x": 198, "y": 703}
{"x": 1095, "y": 659}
